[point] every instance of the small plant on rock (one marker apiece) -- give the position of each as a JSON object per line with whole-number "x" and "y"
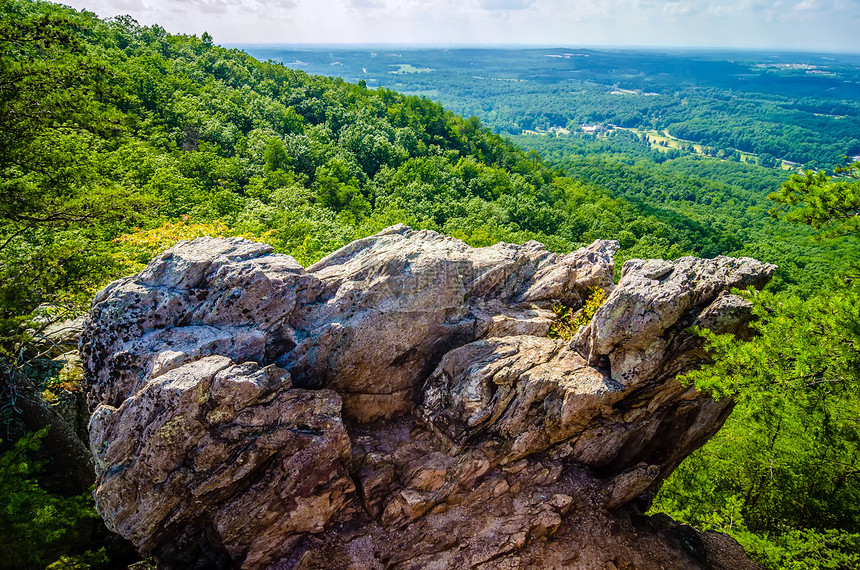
{"x": 568, "y": 321}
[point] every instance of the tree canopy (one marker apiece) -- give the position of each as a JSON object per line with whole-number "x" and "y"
{"x": 783, "y": 475}
{"x": 830, "y": 204}
{"x": 117, "y": 140}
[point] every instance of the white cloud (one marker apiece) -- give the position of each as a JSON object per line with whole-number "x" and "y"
{"x": 131, "y": 5}
{"x": 790, "y": 24}
{"x": 806, "y": 5}
{"x": 204, "y": 6}
{"x": 507, "y": 4}
{"x": 681, "y": 7}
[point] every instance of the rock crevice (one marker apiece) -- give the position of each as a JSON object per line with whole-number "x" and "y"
{"x": 398, "y": 404}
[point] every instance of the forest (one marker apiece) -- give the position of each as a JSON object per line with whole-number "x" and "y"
{"x": 802, "y": 108}
{"x": 117, "y": 140}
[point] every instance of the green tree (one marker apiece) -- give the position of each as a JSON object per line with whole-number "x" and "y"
{"x": 787, "y": 459}
{"x": 337, "y": 188}
{"x": 276, "y": 156}
{"x": 52, "y": 122}
{"x": 830, "y": 204}
{"x": 768, "y": 160}
{"x": 53, "y": 128}
{"x": 784, "y": 472}
{"x": 36, "y": 525}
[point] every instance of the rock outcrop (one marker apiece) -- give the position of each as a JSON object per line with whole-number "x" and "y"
{"x": 399, "y": 405}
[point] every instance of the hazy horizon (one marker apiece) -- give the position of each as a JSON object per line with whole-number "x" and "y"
{"x": 823, "y": 26}
{"x": 550, "y": 46}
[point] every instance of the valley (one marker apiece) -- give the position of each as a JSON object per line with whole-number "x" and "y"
{"x": 146, "y": 139}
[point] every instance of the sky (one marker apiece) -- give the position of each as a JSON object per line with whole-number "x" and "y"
{"x": 804, "y": 25}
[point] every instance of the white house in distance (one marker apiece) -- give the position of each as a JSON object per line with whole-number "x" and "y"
{"x": 593, "y": 129}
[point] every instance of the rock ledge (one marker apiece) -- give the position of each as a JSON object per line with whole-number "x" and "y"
{"x": 398, "y": 405}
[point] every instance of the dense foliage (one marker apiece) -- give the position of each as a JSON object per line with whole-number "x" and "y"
{"x": 797, "y": 107}
{"x": 36, "y": 524}
{"x": 832, "y": 205}
{"x": 721, "y": 205}
{"x": 116, "y": 140}
{"x": 783, "y": 475}
{"x": 785, "y": 466}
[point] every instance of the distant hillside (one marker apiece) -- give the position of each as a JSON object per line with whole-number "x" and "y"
{"x": 153, "y": 128}
{"x": 118, "y": 140}
{"x": 727, "y": 199}
{"x": 799, "y": 107}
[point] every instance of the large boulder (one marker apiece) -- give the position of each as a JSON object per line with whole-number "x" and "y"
{"x": 399, "y": 405}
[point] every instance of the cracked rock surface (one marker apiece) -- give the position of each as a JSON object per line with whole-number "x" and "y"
{"x": 399, "y": 405}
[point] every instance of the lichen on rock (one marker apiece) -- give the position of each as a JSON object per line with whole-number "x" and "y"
{"x": 398, "y": 404}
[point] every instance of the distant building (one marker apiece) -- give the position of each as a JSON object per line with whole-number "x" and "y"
{"x": 593, "y": 129}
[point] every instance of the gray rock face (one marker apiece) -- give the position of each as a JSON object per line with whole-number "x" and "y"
{"x": 635, "y": 329}
{"x": 398, "y": 404}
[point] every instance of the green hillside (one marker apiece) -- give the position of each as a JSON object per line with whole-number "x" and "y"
{"x": 726, "y": 200}
{"x": 117, "y": 140}
{"x": 767, "y": 105}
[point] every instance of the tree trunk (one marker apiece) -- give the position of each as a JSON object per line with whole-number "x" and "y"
{"x": 62, "y": 441}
